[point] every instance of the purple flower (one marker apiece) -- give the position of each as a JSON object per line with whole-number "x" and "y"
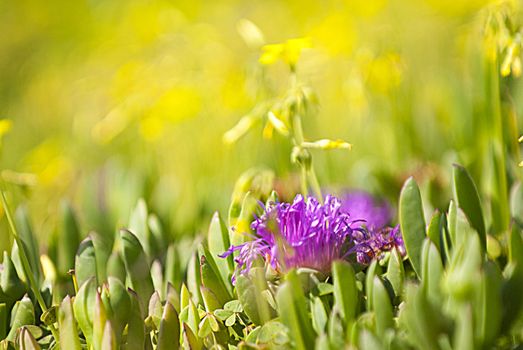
{"x": 313, "y": 235}
{"x": 302, "y": 234}
{"x": 373, "y": 244}
{"x": 372, "y": 215}
{"x": 366, "y": 210}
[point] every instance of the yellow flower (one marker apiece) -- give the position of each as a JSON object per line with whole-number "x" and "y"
{"x": 289, "y": 51}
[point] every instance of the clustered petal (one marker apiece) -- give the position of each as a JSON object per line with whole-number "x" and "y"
{"x": 309, "y": 234}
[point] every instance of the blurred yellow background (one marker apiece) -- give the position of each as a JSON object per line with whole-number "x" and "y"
{"x": 110, "y": 101}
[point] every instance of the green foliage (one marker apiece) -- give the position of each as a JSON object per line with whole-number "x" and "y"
{"x": 457, "y": 286}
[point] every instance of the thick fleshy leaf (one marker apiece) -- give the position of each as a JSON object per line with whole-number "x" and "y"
{"x": 136, "y": 333}
{"x": 396, "y": 272}
{"x": 218, "y": 243}
{"x": 85, "y": 263}
{"x": 434, "y": 231}
{"x": 489, "y": 307}
{"x": 463, "y": 274}
{"x": 467, "y": 197}
{"x": 29, "y": 241}
{"x": 11, "y": 286}
{"x": 412, "y": 222}
{"x": 117, "y": 304}
{"x": 194, "y": 278}
{"x": 422, "y": 320}
{"x": 249, "y": 289}
{"x": 116, "y": 267}
{"x": 382, "y": 307}
{"x": 432, "y": 271}
{"x": 373, "y": 270}
{"x": 293, "y": 311}
{"x": 155, "y": 311}
{"x": 23, "y": 314}
{"x": 99, "y": 322}
{"x": 169, "y": 335}
{"x": 83, "y": 307}
{"x": 345, "y": 290}
{"x": 103, "y": 245}
{"x": 139, "y": 227}
{"x": 69, "y": 339}
{"x": 137, "y": 266}
{"x": 190, "y": 341}
{"x": 69, "y": 239}
{"x": 319, "y": 315}
{"x": 211, "y": 278}
{"x": 464, "y": 338}
{"x": 26, "y": 341}
{"x": 172, "y": 267}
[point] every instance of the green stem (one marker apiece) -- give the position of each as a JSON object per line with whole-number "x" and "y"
{"x": 25, "y": 263}
{"x": 308, "y": 175}
{"x": 304, "y": 187}
{"x": 315, "y": 184}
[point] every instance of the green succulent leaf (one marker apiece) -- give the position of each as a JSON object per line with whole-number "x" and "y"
{"x": 85, "y": 263}
{"x": 169, "y": 334}
{"x": 293, "y": 312}
{"x": 83, "y": 307}
{"x": 69, "y": 339}
{"x": 345, "y": 290}
{"x": 396, "y": 272}
{"x": 26, "y": 341}
{"x": 467, "y": 197}
{"x": 412, "y": 222}
{"x": 137, "y": 266}
{"x": 218, "y": 241}
{"x": 382, "y": 308}
{"x": 23, "y": 314}
{"x": 249, "y": 288}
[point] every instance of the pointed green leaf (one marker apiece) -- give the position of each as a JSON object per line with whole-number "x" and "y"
{"x": 372, "y": 270}
{"x": 116, "y": 267}
{"x": 99, "y": 322}
{"x": 345, "y": 290}
{"x": 396, "y": 272}
{"x": 212, "y": 280}
{"x": 83, "y": 307}
{"x": 30, "y": 244}
{"x": 293, "y": 312}
{"x": 249, "y": 289}
{"x": 169, "y": 335}
{"x": 467, "y": 197}
{"x": 10, "y": 284}
{"x": 382, "y": 308}
{"x": 319, "y": 316}
{"x": 69, "y": 239}
{"x": 435, "y": 228}
{"x": 432, "y": 271}
{"x": 218, "y": 240}
{"x": 489, "y": 307}
{"x": 103, "y": 245}
{"x": 136, "y": 336}
{"x": 137, "y": 266}
{"x": 85, "y": 263}
{"x": 69, "y": 339}
{"x": 22, "y": 314}
{"x": 412, "y": 222}
{"x": 26, "y": 341}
